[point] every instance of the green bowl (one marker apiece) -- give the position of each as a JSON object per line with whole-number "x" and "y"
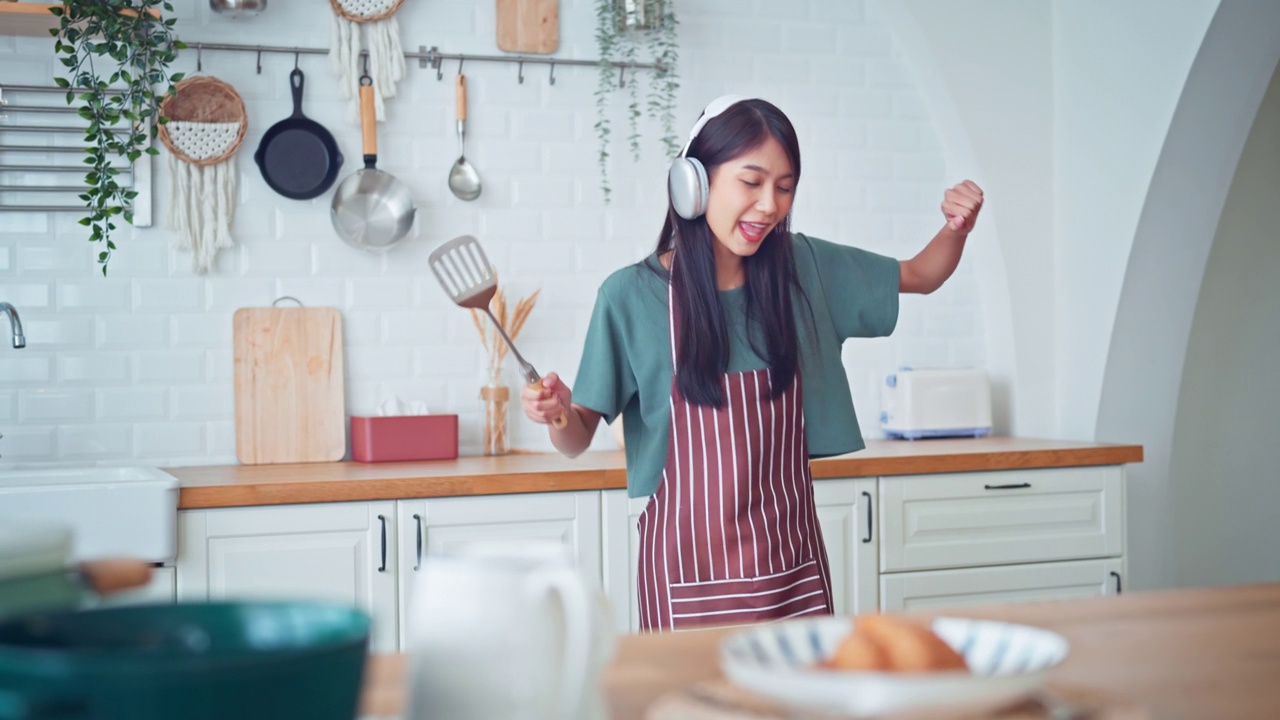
{"x": 194, "y": 661}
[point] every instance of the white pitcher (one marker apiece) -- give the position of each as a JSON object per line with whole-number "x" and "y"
{"x": 506, "y": 632}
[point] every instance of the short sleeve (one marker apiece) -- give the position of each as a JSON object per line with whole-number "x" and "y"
{"x": 606, "y": 381}
{"x": 861, "y": 288}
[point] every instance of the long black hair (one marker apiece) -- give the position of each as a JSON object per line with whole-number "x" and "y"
{"x": 702, "y": 354}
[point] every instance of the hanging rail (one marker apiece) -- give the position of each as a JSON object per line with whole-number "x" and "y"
{"x": 426, "y": 57}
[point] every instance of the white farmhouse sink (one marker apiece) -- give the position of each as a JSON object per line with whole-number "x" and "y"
{"x": 112, "y": 511}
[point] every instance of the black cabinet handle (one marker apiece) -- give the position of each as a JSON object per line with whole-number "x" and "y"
{"x": 418, "y": 519}
{"x": 1013, "y": 486}
{"x": 383, "y": 518}
{"x": 870, "y": 516}
{"x": 1116, "y": 575}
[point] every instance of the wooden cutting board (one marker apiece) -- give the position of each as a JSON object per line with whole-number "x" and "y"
{"x": 529, "y": 26}
{"x": 290, "y": 402}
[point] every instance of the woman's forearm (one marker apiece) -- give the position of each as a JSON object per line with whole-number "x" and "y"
{"x": 575, "y": 436}
{"x": 931, "y": 267}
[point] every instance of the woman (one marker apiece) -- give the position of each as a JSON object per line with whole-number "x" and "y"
{"x": 707, "y": 348}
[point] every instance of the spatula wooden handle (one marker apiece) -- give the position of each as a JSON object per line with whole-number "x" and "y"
{"x": 111, "y": 575}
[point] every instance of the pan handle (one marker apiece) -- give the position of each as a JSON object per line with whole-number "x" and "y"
{"x": 295, "y": 84}
{"x": 368, "y": 123}
{"x": 461, "y": 97}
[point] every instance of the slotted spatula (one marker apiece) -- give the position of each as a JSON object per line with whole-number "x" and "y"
{"x": 464, "y": 272}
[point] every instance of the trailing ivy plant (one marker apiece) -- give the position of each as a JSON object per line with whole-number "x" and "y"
{"x": 116, "y": 52}
{"x": 623, "y": 29}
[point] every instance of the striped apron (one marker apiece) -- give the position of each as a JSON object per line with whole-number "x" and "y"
{"x": 731, "y": 536}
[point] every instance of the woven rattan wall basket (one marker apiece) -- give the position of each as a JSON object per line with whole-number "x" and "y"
{"x": 205, "y": 125}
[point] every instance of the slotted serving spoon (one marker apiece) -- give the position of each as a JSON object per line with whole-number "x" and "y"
{"x": 466, "y": 276}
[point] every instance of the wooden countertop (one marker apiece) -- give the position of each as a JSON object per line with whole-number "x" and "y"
{"x": 1172, "y": 654}
{"x": 247, "y": 485}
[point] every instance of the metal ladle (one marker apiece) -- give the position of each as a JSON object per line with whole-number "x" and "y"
{"x": 464, "y": 181}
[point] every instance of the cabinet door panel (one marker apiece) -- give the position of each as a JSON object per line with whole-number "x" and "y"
{"x": 990, "y": 518}
{"x": 846, "y": 510}
{"x": 332, "y": 551}
{"x": 931, "y": 589}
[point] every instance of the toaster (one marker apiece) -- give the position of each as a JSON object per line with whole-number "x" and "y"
{"x": 927, "y": 403}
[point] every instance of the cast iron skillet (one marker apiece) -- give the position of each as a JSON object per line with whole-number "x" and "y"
{"x": 298, "y": 156}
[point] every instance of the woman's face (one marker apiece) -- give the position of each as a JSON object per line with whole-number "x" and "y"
{"x": 749, "y": 195}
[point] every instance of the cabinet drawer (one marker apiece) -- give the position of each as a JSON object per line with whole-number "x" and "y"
{"x": 931, "y": 589}
{"x": 995, "y": 518}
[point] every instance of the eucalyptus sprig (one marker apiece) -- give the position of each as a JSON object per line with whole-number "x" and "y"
{"x": 623, "y": 27}
{"x": 116, "y": 52}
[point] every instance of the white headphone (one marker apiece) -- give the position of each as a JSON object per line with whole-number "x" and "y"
{"x": 687, "y": 181}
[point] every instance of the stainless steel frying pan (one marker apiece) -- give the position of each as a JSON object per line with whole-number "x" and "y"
{"x": 371, "y": 209}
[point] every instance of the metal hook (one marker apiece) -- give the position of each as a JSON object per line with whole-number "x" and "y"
{"x": 521, "y": 72}
{"x": 460, "y": 59}
{"x": 295, "y": 60}
{"x": 259, "y": 61}
{"x": 622, "y": 75}
{"x": 364, "y": 56}
{"x": 199, "y": 57}
{"x": 553, "y": 72}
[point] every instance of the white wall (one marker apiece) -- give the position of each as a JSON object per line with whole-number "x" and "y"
{"x": 137, "y": 367}
{"x": 1223, "y": 482}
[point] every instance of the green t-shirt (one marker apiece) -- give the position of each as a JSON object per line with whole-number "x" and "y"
{"x": 626, "y": 362}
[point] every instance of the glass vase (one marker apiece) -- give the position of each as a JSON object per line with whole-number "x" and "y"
{"x": 496, "y": 397}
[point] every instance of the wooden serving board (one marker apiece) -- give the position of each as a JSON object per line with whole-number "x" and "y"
{"x": 529, "y": 26}
{"x": 290, "y": 402}
{"x": 720, "y": 700}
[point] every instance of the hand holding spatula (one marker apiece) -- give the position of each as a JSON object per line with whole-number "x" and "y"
{"x": 466, "y": 276}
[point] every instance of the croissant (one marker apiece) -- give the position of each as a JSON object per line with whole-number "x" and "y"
{"x": 881, "y": 643}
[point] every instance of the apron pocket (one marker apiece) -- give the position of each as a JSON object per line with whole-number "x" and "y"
{"x": 798, "y": 591}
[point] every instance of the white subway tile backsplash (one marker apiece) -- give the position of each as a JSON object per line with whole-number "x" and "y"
{"x": 133, "y": 331}
{"x": 6, "y": 258}
{"x": 169, "y": 438}
{"x": 30, "y": 368}
{"x": 56, "y": 259}
{"x": 122, "y": 404}
{"x": 202, "y": 402}
{"x": 27, "y": 296}
{"x": 28, "y": 443}
{"x": 155, "y": 295}
{"x": 44, "y": 406}
{"x": 380, "y": 294}
{"x": 53, "y": 332}
{"x": 373, "y": 363}
{"x": 809, "y": 39}
{"x": 93, "y": 368}
{"x": 275, "y": 257}
{"x": 101, "y": 295}
{"x": 201, "y": 331}
{"x": 94, "y": 442}
{"x": 172, "y": 366}
{"x": 8, "y": 407}
{"x": 227, "y": 294}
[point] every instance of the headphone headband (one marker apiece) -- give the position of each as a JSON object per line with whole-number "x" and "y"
{"x": 714, "y": 108}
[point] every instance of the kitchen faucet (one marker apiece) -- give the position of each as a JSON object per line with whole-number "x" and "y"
{"x": 19, "y": 340}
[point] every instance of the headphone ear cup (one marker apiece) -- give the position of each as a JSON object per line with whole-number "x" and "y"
{"x": 688, "y": 187}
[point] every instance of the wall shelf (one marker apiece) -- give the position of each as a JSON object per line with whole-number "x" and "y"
{"x": 27, "y": 19}
{"x": 31, "y": 19}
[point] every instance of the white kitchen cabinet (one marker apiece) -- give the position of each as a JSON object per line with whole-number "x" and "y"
{"x": 443, "y": 525}
{"x": 932, "y": 589}
{"x": 956, "y": 520}
{"x": 344, "y": 552}
{"x": 845, "y": 513}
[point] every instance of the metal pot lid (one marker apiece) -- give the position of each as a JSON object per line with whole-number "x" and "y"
{"x": 28, "y": 547}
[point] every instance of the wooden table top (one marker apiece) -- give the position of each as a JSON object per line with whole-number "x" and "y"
{"x": 1205, "y": 653}
{"x": 249, "y": 485}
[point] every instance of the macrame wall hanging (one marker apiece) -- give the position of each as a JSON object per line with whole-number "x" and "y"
{"x": 386, "y": 57}
{"x": 206, "y": 126}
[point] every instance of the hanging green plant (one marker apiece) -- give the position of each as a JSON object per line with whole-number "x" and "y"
{"x": 116, "y": 52}
{"x": 623, "y": 29}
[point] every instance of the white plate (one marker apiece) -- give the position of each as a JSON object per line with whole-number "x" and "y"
{"x": 1006, "y": 662}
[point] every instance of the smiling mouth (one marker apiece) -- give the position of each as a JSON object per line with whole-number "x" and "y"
{"x": 753, "y": 232}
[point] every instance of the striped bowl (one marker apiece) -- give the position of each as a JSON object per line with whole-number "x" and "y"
{"x": 1006, "y": 662}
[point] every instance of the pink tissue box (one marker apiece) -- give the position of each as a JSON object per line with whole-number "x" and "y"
{"x": 406, "y": 437}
